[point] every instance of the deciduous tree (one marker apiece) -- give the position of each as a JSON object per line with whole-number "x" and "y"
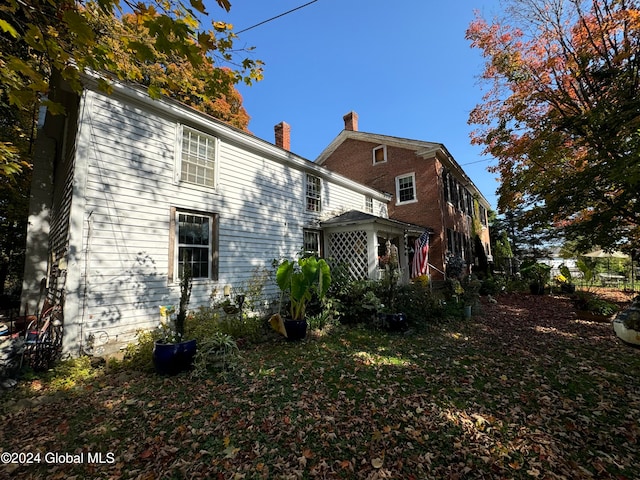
{"x": 562, "y": 114}
{"x": 144, "y": 42}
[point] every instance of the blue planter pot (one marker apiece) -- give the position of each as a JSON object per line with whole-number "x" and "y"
{"x": 296, "y": 329}
{"x": 173, "y": 358}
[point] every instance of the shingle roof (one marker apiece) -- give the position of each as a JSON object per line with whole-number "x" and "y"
{"x": 353, "y": 217}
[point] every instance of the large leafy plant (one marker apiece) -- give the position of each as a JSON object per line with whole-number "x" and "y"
{"x": 536, "y": 272}
{"x": 302, "y": 279}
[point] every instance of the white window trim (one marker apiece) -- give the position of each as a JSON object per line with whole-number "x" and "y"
{"x": 318, "y": 235}
{"x": 373, "y": 152}
{"x": 306, "y": 191}
{"x": 178, "y": 157}
{"x": 415, "y": 192}
{"x": 368, "y": 204}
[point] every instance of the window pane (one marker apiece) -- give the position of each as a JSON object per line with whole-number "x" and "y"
{"x": 196, "y": 258}
{"x": 194, "y": 244}
{"x": 369, "y": 205}
{"x": 313, "y": 193}
{"x": 405, "y": 189}
{"x": 311, "y": 242}
{"x": 198, "y": 158}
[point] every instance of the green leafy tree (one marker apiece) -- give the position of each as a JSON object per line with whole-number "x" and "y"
{"x": 158, "y": 43}
{"x": 15, "y": 183}
{"x": 143, "y": 42}
{"x": 562, "y": 114}
{"x": 14, "y": 200}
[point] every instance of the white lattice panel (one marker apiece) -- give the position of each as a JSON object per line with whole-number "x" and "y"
{"x": 350, "y": 248}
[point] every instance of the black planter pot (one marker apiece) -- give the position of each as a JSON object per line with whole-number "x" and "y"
{"x": 568, "y": 288}
{"x": 173, "y": 358}
{"x": 296, "y": 329}
{"x": 394, "y": 322}
{"x": 536, "y": 289}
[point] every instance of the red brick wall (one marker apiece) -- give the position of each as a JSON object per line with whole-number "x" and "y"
{"x": 354, "y": 159}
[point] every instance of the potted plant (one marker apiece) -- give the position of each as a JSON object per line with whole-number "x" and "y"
{"x": 301, "y": 280}
{"x": 537, "y": 274}
{"x": 471, "y": 295}
{"x": 173, "y": 354}
{"x": 564, "y": 280}
{"x": 627, "y": 323}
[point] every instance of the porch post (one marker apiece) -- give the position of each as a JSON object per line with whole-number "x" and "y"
{"x": 372, "y": 247}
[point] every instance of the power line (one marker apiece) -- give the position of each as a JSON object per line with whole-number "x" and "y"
{"x": 277, "y": 16}
{"x": 477, "y": 161}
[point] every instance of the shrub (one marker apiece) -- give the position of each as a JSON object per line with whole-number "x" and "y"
{"x": 421, "y": 307}
{"x": 455, "y": 266}
{"x": 327, "y": 317}
{"x": 359, "y": 302}
{"x": 139, "y": 355}
{"x": 207, "y": 321}
{"x": 588, "y": 301}
{"x": 492, "y": 286}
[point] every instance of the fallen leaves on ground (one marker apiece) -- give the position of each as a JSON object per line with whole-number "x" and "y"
{"x": 524, "y": 390}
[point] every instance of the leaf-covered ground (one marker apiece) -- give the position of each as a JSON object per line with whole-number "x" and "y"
{"x": 524, "y": 390}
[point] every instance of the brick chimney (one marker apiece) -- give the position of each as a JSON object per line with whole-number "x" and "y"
{"x": 283, "y": 135}
{"x": 351, "y": 121}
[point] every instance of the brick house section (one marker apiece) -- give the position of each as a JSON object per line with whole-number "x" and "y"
{"x": 444, "y": 197}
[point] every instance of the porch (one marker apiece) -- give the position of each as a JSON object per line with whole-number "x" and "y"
{"x": 365, "y": 243}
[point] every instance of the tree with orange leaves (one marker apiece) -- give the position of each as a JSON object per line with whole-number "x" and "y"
{"x": 197, "y": 82}
{"x": 157, "y": 43}
{"x": 562, "y": 114}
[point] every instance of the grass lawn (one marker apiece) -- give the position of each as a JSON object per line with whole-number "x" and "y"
{"x": 523, "y": 390}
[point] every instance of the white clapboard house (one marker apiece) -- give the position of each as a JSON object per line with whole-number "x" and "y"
{"x": 124, "y": 186}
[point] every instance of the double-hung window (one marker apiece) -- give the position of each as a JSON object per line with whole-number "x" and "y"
{"x": 406, "y": 188}
{"x": 193, "y": 243}
{"x": 198, "y": 158}
{"x": 314, "y": 193}
{"x": 368, "y": 205}
{"x": 312, "y": 242}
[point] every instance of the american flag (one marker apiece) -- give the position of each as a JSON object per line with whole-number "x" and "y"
{"x": 421, "y": 255}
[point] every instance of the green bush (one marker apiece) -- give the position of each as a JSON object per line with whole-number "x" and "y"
{"x": 206, "y": 321}
{"x": 588, "y": 301}
{"x": 327, "y": 317}
{"x": 492, "y": 286}
{"x": 359, "y": 302}
{"x": 420, "y": 305}
{"x": 139, "y": 355}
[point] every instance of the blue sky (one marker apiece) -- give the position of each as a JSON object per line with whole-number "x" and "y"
{"x": 404, "y": 67}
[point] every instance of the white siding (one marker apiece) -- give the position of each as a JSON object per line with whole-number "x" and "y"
{"x": 125, "y": 186}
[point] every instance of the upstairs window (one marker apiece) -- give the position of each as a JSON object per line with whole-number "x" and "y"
{"x": 445, "y": 186}
{"x": 198, "y": 158}
{"x": 405, "y": 188}
{"x": 380, "y": 154}
{"x": 314, "y": 194}
{"x": 483, "y": 215}
{"x": 368, "y": 205}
